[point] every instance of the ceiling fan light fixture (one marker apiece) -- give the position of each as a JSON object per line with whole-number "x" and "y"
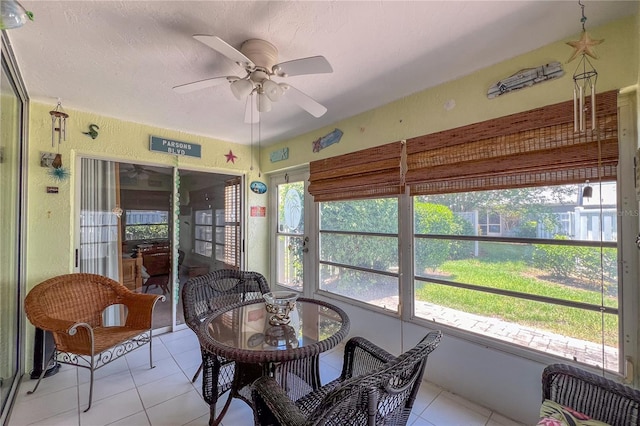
{"x": 13, "y": 15}
{"x": 264, "y": 103}
{"x": 241, "y": 88}
{"x": 272, "y": 90}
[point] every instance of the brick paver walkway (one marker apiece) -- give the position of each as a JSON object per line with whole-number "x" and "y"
{"x": 541, "y": 340}
{"x": 586, "y": 352}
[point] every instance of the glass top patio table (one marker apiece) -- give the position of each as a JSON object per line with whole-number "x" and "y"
{"x": 242, "y": 333}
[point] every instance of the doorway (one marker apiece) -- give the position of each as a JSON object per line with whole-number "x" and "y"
{"x": 291, "y": 242}
{"x": 209, "y": 227}
{"x": 132, "y": 230}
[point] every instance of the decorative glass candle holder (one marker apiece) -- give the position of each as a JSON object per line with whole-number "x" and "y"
{"x": 281, "y": 336}
{"x": 280, "y": 304}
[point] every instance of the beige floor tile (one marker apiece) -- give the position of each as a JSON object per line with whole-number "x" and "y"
{"x": 445, "y": 411}
{"x": 180, "y": 410}
{"x": 164, "y": 389}
{"x": 112, "y": 409}
{"x": 129, "y": 393}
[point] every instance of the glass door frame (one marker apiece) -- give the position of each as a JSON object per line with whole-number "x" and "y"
{"x": 174, "y": 231}
{"x": 9, "y": 65}
{"x": 78, "y": 193}
{"x": 309, "y": 235}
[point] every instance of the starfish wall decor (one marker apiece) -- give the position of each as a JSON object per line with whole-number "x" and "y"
{"x": 584, "y": 46}
{"x": 231, "y": 157}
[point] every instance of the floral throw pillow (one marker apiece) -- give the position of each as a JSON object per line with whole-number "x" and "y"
{"x": 554, "y": 414}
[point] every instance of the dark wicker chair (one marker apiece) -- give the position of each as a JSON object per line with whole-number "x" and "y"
{"x": 70, "y": 307}
{"x": 596, "y": 396}
{"x": 203, "y": 295}
{"x": 374, "y": 388}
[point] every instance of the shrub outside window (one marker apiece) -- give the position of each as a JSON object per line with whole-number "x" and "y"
{"x": 146, "y": 225}
{"x": 359, "y": 250}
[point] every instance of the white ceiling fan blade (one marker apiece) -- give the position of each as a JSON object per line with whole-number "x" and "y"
{"x": 251, "y": 114}
{"x": 311, "y": 65}
{"x": 304, "y": 101}
{"x": 219, "y": 45}
{"x": 202, "y": 84}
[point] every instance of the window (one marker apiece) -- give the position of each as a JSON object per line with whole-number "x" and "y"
{"x": 499, "y": 242}
{"x": 217, "y": 230}
{"x": 146, "y": 225}
{"x": 203, "y": 232}
{"x": 489, "y": 223}
{"x": 229, "y": 253}
{"x": 359, "y": 250}
{"x": 535, "y": 285}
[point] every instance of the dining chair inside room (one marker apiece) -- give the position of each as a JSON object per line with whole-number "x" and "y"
{"x": 202, "y": 296}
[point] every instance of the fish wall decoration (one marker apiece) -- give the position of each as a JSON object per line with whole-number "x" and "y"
{"x": 326, "y": 140}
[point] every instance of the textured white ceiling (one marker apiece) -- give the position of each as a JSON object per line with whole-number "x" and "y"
{"x": 122, "y": 58}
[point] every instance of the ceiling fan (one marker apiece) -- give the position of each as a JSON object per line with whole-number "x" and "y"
{"x": 259, "y": 58}
{"x": 136, "y": 171}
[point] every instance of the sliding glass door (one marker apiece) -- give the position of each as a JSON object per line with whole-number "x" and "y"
{"x": 11, "y": 128}
{"x": 132, "y": 230}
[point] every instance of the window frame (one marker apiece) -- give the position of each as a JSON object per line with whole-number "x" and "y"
{"x": 196, "y": 225}
{"x": 126, "y": 225}
{"x": 396, "y": 275}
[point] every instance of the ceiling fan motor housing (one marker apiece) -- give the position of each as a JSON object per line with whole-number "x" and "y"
{"x": 262, "y": 53}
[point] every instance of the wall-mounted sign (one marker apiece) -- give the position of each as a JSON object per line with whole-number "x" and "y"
{"x": 526, "y": 78}
{"x": 258, "y": 211}
{"x": 326, "y": 140}
{"x": 172, "y": 147}
{"x": 279, "y": 155}
{"x": 258, "y": 187}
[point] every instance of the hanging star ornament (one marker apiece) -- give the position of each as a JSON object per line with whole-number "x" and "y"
{"x": 231, "y": 157}
{"x": 584, "y": 46}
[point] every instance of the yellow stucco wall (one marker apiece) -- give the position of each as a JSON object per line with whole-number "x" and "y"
{"x": 425, "y": 112}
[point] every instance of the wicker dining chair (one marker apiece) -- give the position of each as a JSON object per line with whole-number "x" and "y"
{"x": 203, "y": 295}
{"x": 374, "y": 388}
{"x": 595, "y": 396}
{"x": 71, "y": 308}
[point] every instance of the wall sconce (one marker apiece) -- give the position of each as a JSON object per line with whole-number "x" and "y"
{"x": 58, "y": 124}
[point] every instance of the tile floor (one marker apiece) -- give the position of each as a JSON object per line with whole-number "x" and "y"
{"x": 127, "y": 392}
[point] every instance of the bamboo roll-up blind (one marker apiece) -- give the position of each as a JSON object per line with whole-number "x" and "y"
{"x": 533, "y": 148}
{"x": 369, "y": 173}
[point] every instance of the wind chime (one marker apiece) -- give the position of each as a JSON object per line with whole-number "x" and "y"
{"x": 584, "y": 85}
{"x": 58, "y": 134}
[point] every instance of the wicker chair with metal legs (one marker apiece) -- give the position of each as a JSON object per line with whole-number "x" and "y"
{"x": 374, "y": 388}
{"x": 71, "y": 307}
{"x": 203, "y": 295}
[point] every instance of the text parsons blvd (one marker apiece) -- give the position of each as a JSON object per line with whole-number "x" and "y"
{"x": 172, "y": 147}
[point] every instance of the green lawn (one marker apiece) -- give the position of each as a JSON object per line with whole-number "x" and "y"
{"x": 516, "y": 276}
